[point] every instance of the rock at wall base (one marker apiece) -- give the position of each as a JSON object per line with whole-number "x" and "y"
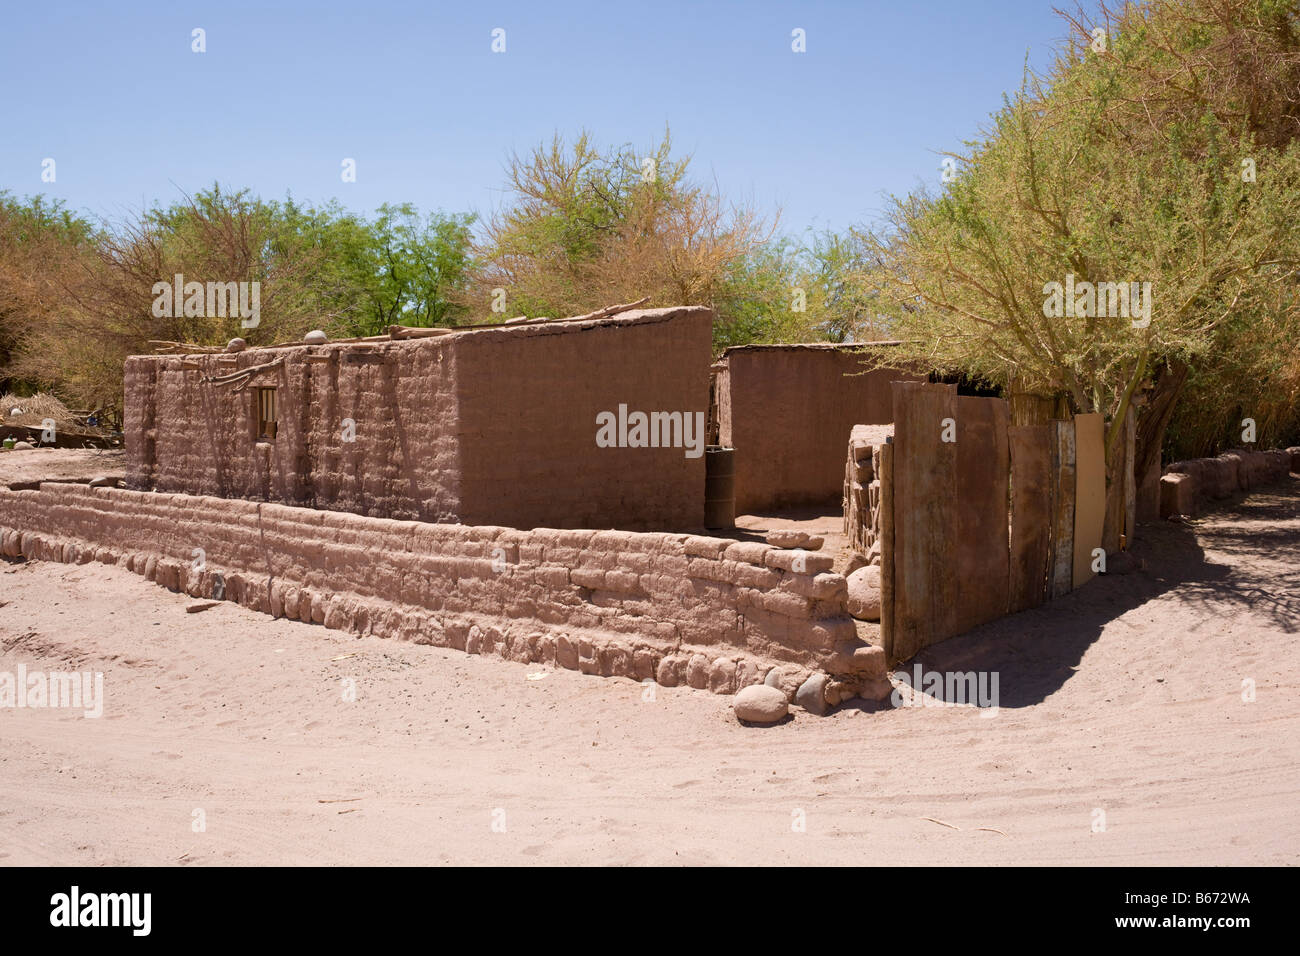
{"x": 786, "y": 678}
{"x": 811, "y": 695}
{"x": 864, "y": 593}
{"x": 760, "y": 704}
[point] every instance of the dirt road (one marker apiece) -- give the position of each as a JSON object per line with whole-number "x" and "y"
{"x": 1121, "y": 705}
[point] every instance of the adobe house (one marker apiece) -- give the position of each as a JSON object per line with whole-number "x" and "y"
{"x": 486, "y": 426}
{"x": 788, "y": 410}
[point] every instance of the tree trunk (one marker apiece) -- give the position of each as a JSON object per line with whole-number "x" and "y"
{"x": 1155, "y": 416}
{"x": 1153, "y": 419}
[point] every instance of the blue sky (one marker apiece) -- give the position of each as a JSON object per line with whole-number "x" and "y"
{"x": 413, "y": 92}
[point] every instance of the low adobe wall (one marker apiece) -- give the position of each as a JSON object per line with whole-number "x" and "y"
{"x": 680, "y": 609}
{"x": 787, "y": 410}
{"x": 862, "y": 488}
{"x": 479, "y": 426}
{"x": 1189, "y": 487}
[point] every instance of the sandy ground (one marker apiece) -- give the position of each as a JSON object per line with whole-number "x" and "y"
{"x": 60, "y": 464}
{"x": 1125, "y": 698}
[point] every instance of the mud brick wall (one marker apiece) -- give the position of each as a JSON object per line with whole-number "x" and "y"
{"x": 527, "y": 423}
{"x": 481, "y": 426}
{"x": 787, "y": 410}
{"x": 1189, "y": 487}
{"x": 707, "y": 612}
{"x": 862, "y": 489}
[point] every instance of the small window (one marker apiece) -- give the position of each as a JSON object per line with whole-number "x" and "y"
{"x": 265, "y": 414}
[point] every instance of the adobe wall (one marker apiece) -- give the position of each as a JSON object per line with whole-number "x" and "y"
{"x": 480, "y": 426}
{"x": 862, "y": 489}
{"x": 681, "y": 609}
{"x": 527, "y": 406}
{"x": 1190, "y": 487}
{"x": 788, "y": 411}
{"x": 183, "y": 435}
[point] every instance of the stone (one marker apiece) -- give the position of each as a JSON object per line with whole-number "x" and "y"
{"x": 786, "y": 678}
{"x": 749, "y": 672}
{"x": 864, "y": 593}
{"x": 794, "y": 539}
{"x": 697, "y": 671}
{"x": 722, "y": 676}
{"x": 855, "y": 561}
{"x": 236, "y": 345}
{"x": 615, "y": 662}
{"x": 760, "y": 704}
{"x": 877, "y": 688}
{"x": 566, "y": 653}
{"x": 838, "y": 691}
{"x": 643, "y": 664}
{"x": 103, "y": 481}
{"x": 811, "y": 695}
{"x": 1178, "y": 493}
{"x": 23, "y": 446}
{"x": 671, "y": 671}
{"x": 858, "y": 660}
{"x": 315, "y": 337}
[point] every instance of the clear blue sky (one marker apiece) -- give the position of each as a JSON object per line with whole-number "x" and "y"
{"x": 412, "y": 92}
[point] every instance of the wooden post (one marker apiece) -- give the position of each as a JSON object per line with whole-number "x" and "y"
{"x": 1090, "y": 492}
{"x": 886, "y": 478}
{"x": 1031, "y": 513}
{"x": 1130, "y": 479}
{"x": 1063, "y": 509}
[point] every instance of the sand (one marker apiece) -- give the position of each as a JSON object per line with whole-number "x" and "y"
{"x": 19, "y": 467}
{"x": 1124, "y": 698}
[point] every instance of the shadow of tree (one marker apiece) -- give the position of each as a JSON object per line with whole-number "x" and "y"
{"x": 1243, "y": 558}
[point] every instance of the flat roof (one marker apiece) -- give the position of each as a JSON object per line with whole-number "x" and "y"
{"x": 792, "y": 346}
{"x": 438, "y": 334}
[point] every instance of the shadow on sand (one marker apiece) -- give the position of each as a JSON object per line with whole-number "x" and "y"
{"x": 1242, "y": 557}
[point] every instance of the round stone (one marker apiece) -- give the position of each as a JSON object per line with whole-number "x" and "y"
{"x": 760, "y": 704}
{"x": 811, "y": 695}
{"x": 864, "y": 593}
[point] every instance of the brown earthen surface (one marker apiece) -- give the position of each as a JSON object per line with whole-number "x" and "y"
{"x": 1126, "y": 695}
{"x": 30, "y": 468}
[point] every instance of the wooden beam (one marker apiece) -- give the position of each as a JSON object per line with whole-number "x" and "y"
{"x": 1063, "y": 494}
{"x": 1090, "y": 492}
{"x": 886, "y": 478}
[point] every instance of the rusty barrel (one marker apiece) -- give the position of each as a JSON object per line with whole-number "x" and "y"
{"x": 719, "y": 487}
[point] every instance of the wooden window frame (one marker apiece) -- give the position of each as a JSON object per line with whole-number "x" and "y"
{"x": 264, "y": 403}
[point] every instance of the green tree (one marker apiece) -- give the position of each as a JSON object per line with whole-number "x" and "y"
{"x": 37, "y": 238}
{"x": 584, "y": 227}
{"x": 1124, "y": 163}
{"x": 400, "y": 267}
